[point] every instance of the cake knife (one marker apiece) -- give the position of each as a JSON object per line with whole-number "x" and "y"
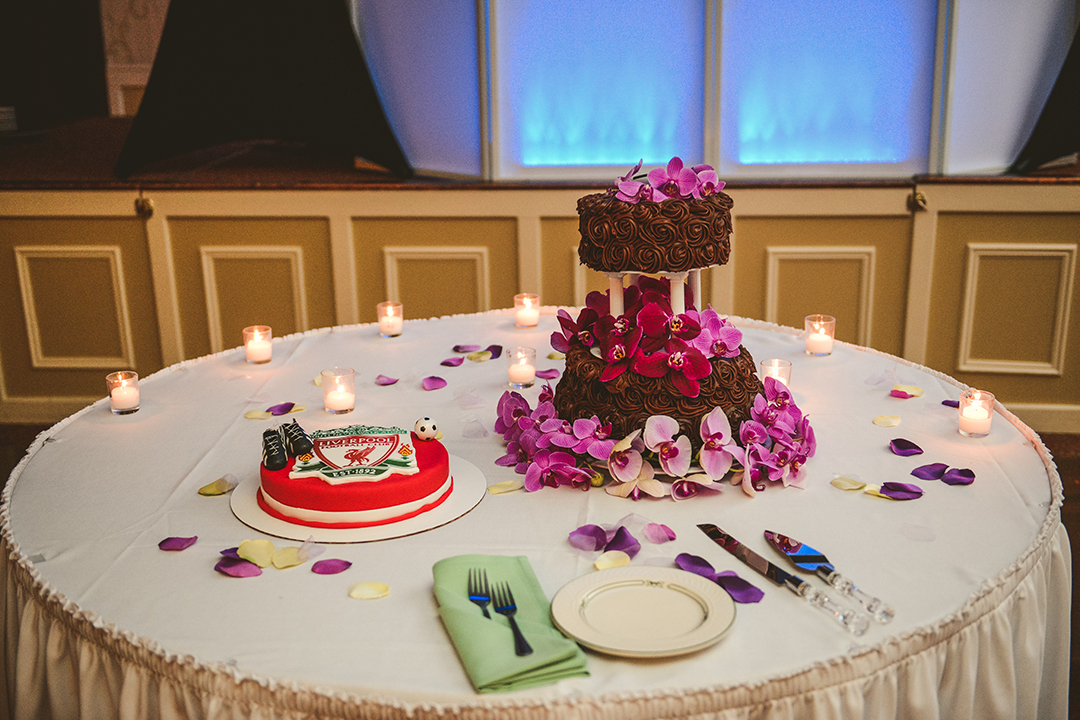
{"x": 807, "y": 558}
{"x": 855, "y": 622}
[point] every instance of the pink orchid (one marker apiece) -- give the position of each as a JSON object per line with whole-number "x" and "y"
{"x": 684, "y": 363}
{"x": 758, "y": 466}
{"x": 674, "y": 453}
{"x": 718, "y": 337}
{"x": 644, "y": 482}
{"x": 708, "y": 181}
{"x": 716, "y": 457}
{"x": 553, "y": 469}
{"x": 593, "y": 438}
{"x": 691, "y": 486}
{"x": 511, "y": 408}
{"x": 624, "y": 461}
{"x": 674, "y": 181}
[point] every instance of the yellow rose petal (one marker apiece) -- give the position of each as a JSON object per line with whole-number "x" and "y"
{"x": 556, "y": 355}
{"x": 846, "y": 483}
{"x": 259, "y": 552}
{"x": 368, "y": 590}
{"x": 222, "y": 485}
{"x": 911, "y": 390}
{"x": 318, "y": 380}
{"x": 505, "y": 487}
{"x": 887, "y": 420}
{"x": 257, "y": 415}
{"x": 612, "y": 559}
{"x": 480, "y": 356}
{"x": 286, "y": 557}
{"x": 875, "y": 490}
{"x": 297, "y": 408}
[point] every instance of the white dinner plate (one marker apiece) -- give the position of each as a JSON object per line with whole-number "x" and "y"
{"x": 643, "y": 611}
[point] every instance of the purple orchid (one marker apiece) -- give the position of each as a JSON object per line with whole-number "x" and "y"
{"x": 557, "y": 432}
{"x": 752, "y": 433}
{"x": 580, "y": 330}
{"x": 759, "y": 465}
{"x": 553, "y": 469}
{"x": 519, "y": 453}
{"x": 624, "y": 461}
{"x": 592, "y": 438}
{"x": 708, "y": 181}
{"x": 511, "y": 408}
{"x": 718, "y": 337}
{"x": 715, "y": 453}
{"x": 684, "y": 363}
{"x": 674, "y": 181}
{"x": 674, "y": 454}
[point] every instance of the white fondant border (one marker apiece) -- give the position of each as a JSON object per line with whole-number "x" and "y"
{"x": 470, "y": 486}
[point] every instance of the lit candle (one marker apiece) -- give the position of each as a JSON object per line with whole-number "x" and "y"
{"x": 818, "y": 343}
{"x": 124, "y": 397}
{"x": 123, "y": 387}
{"x": 778, "y": 369}
{"x": 820, "y": 330}
{"x": 257, "y": 345}
{"x": 340, "y": 400}
{"x": 527, "y": 310}
{"x": 339, "y": 390}
{"x": 521, "y": 367}
{"x": 976, "y": 413}
{"x": 391, "y": 318}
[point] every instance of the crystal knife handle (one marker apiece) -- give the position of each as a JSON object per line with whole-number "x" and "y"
{"x": 877, "y": 608}
{"x": 855, "y": 622}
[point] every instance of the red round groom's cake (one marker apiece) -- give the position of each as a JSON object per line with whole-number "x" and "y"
{"x": 356, "y": 477}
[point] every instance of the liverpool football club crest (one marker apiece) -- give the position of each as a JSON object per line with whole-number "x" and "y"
{"x": 357, "y": 453}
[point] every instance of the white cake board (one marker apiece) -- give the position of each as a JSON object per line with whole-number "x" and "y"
{"x": 469, "y": 489}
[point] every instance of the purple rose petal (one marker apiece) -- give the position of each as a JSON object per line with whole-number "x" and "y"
{"x": 433, "y": 382}
{"x": 624, "y": 541}
{"x": 901, "y": 491}
{"x": 177, "y": 543}
{"x": 901, "y": 394}
{"x": 452, "y": 361}
{"x": 959, "y": 476}
{"x": 331, "y": 566}
{"x": 697, "y": 565}
{"x": 903, "y": 447}
{"x": 466, "y": 348}
{"x": 232, "y": 553}
{"x": 384, "y": 380}
{"x": 495, "y": 350}
{"x": 281, "y": 409}
{"x": 740, "y": 590}
{"x": 933, "y": 471}
{"x": 951, "y": 403}
{"x": 549, "y": 374}
{"x": 589, "y": 538}
{"x": 657, "y": 533}
{"x": 236, "y": 567}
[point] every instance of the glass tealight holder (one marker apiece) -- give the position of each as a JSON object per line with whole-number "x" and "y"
{"x": 123, "y": 391}
{"x": 526, "y": 310}
{"x": 339, "y": 390}
{"x": 391, "y": 318}
{"x": 258, "y": 345}
{"x": 521, "y": 367}
{"x": 778, "y": 369}
{"x": 976, "y": 413}
{"x": 820, "y": 333}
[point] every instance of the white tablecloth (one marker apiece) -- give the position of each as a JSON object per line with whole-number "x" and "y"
{"x": 101, "y": 623}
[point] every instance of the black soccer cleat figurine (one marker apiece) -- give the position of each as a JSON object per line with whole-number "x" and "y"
{"x": 273, "y": 455}
{"x": 297, "y": 442}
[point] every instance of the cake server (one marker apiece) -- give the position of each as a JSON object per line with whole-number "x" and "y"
{"x": 855, "y": 622}
{"x": 807, "y": 558}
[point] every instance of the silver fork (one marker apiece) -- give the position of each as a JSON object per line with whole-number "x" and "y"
{"x": 504, "y": 605}
{"x": 479, "y": 591}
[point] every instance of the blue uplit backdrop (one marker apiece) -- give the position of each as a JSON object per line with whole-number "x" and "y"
{"x": 600, "y": 83}
{"x": 813, "y": 83}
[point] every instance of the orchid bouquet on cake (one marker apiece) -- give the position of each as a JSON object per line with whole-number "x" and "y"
{"x": 667, "y": 183}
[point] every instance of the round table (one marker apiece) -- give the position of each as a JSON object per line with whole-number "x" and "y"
{"x": 100, "y": 622}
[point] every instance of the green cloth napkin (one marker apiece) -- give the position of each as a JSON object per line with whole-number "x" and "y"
{"x": 486, "y": 647}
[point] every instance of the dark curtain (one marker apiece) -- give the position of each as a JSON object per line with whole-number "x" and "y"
{"x": 1057, "y": 132}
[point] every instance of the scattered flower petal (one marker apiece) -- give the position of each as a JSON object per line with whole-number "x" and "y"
{"x": 177, "y": 543}
{"x": 933, "y": 471}
{"x": 495, "y": 350}
{"x": 958, "y": 476}
{"x": 887, "y": 420}
{"x": 433, "y": 382}
{"x": 875, "y": 490}
{"x": 907, "y": 391}
{"x": 549, "y": 374}
{"x": 466, "y": 348}
{"x": 479, "y": 356}
{"x": 556, "y": 355}
{"x": 612, "y": 559}
{"x": 384, "y": 380}
{"x": 740, "y": 590}
{"x": 901, "y": 491}
{"x": 452, "y": 361}
{"x": 846, "y": 483}
{"x": 624, "y": 541}
{"x": 257, "y": 415}
{"x": 657, "y": 533}
{"x": 286, "y": 557}
{"x": 235, "y": 567}
{"x": 281, "y": 408}
{"x": 904, "y": 448}
{"x": 231, "y": 553}
{"x": 589, "y": 538}
{"x": 331, "y": 566}
{"x": 318, "y": 380}
{"x": 505, "y": 487}
{"x": 259, "y": 551}
{"x": 368, "y": 590}
{"x": 951, "y": 403}
{"x": 222, "y": 485}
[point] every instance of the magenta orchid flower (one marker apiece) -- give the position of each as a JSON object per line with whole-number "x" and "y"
{"x": 619, "y": 352}
{"x": 553, "y": 469}
{"x": 624, "y": 461}
{"x": 692, "y": 486}
{"x": 511, "y": 408}
{"x": 630, "y": 190}
{"x": 674, "y": 454}
{"x": 708, "y": 181}
{"x": 758, "y": 466}
{"x": 715, "y": 456}
{"x": 580, "y": 329}
{"x": 519, "y": 453}
{"x": 718, "y": 337}
{"x": 685, "y": 364}
{"x": 674, "y": 181}
{"x": 593, "y": 438}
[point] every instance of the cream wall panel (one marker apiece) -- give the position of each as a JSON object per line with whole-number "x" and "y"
{"x": 397, "y": 261}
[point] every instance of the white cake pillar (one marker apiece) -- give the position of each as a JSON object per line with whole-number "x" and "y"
{"x": 615, "y": 294}
{"x": 695, "y": 286}
{"x": 678, "y": 294}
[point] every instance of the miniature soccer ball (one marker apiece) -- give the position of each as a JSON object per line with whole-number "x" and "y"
{"x": 425, "y": 429}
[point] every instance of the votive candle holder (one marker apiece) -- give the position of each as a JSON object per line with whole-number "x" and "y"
{"x": 778, "y": 369}
{"x": 339, "y": 390}
{"x": 391, "y": 318}
{"x": 820, "y": 334}
{"x": 258, "y": 345}
{"x": 976, "y": 413}
{"x": 526, "y": 310}
{"x": 123, "y": 389}
{"x": 521, "y": 367}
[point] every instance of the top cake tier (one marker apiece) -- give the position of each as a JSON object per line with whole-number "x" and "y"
{"x": 672, "y": 236}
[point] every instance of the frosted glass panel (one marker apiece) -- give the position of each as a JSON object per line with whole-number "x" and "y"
{"x": 598, "y": 84}
{"x": 839, "y": 88}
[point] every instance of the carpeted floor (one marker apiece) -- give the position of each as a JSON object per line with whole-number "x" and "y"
{"x": 14, "y": 439}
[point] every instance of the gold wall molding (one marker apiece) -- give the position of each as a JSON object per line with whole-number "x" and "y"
{"x": 776, "y": 255}
{"x": 976, "y": 254}
{"x": 25, "y": 256}
{"x": 394, "y": 256}
{"x": 209, "y": 254}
